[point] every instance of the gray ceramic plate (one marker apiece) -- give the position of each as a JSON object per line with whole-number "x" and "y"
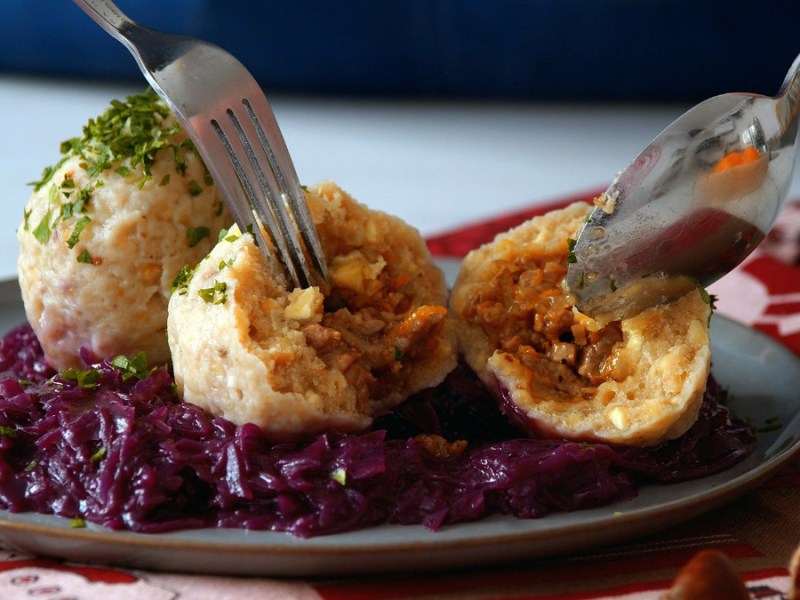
{"x": 762, "y": 376}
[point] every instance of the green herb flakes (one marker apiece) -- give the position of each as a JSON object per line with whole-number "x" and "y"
{"x": 251, "y": 231}
{"x": 132, "y": 367}
{"x": 76, "y": 231}
{"x": 86, "y": 378}
{"x": 195, "y": 234}
{"x": 98, "y": 455}
{"x": 571, "y": 258}
{"x": 218, "y": 294}
{"x": 339, "y": 475}
{"x": 181, "y": 281}
{"x": 126, "y": 140}
{"x": 85, "y": 257}
{"x": 194, "y": 188}
{"x": 42, "y": 231}
{"x": 709, "y": 299}
{"x": 223, "y": 235}
{"x": 47, "y": 175}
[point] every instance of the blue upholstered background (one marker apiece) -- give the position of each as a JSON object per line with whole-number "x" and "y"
{"x": 537, "y": 49}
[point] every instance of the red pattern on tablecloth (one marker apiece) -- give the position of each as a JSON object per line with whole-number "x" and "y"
{"x": 615, "y": 562}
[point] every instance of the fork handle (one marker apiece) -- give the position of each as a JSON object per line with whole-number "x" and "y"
{"x": 106, "y": 14}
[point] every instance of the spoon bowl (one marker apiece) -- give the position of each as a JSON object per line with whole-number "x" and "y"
{"x": 694, "y": 203}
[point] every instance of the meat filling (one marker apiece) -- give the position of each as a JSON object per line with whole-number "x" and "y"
{"x": 523, "y": 309}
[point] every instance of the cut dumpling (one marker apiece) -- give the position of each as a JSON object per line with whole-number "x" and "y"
{"x": 299, "y": 362}
{"x": 557, "y": 372}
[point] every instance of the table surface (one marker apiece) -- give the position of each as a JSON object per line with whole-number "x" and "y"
{"x": 439, "y": 166}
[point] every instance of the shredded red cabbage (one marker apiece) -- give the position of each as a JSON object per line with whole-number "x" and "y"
{"x": 122, "y": 451}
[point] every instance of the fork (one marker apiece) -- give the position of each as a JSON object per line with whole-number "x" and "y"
{"x": 226, "y": 115}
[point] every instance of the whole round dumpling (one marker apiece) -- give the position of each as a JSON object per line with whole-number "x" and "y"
{"x": 557, "y": 372}
{"x": 108, "y": 228}
{"x": 303, "y": 361}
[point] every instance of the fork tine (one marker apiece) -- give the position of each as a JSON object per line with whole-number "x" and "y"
{"x": 227, "y": 114}
{"x": 257, "y": 187}
{"x": 274, "y": 146}
{"x": 273, "y": 184}
{"x": 264, "y": 182}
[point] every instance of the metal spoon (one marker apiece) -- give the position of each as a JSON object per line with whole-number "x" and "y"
{"x": 691, "y": 206}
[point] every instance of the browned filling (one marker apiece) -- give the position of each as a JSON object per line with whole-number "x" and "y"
{"x": 368, "y": 334}
{"x": 523, "y": 309}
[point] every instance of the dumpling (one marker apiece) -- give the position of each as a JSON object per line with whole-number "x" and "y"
{"x": 557, "y": 372}
{"x": 108, "y": 228}
{"x": 297, "y": 362}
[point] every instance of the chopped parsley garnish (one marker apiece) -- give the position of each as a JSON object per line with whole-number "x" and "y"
{"x": 181, "y": 281}
{"x": 225, "y": 263}
{"x": 249, "y": 230}
{"x": 709, "y": 299}
{"x": 223, "y": 235}
{"x": 218, "y": 294}
{"x": 47, "y": 175}
{"x": 85, "y": 378}
{"x": 571, "y": 258}
{"x": 194, "y": 188}
{"x": 98, "y": 455}
{"x": 125, "y": 139}
{"x": 133, "y": 130}
{"x": 85, "y": 257}
{"x": 77, "y": 523}
{"x": 195, "y": 234}
{"x": 42, "y": 231}
{"x": 339, "y": 475}
{"x": 70, "y": 209}
{"x": 132, "y": 367}
{"x": 76, "y": 231}
{"x": 8, "y": 431}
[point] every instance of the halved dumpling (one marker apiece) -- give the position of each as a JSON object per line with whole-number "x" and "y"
{"x": 556, "y": 371}
{"x": 302, "y": 361}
